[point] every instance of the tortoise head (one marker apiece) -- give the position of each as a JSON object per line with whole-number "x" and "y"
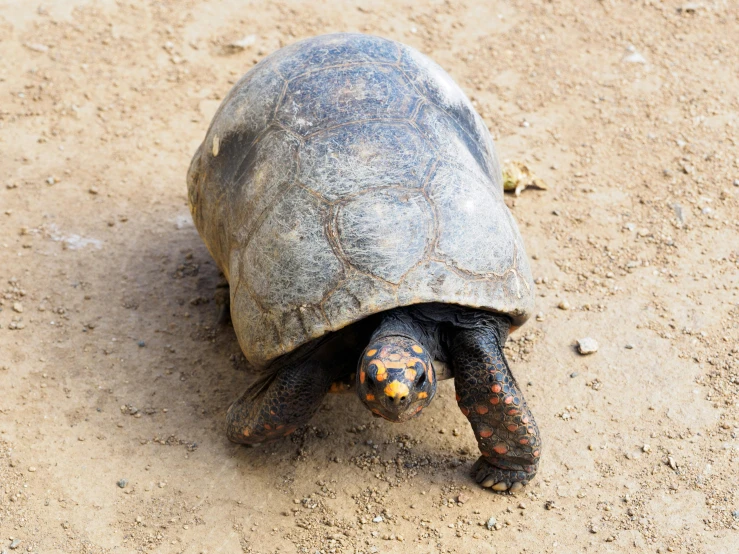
{"x": 396, "y": 378}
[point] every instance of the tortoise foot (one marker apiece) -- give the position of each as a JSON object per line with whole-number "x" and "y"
{"x": 500, "y": 480}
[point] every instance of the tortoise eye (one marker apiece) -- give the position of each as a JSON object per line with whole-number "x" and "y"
{"x": 421, "y": 379}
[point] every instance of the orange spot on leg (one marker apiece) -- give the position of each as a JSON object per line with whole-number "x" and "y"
{"x": 536, "y": 453}
{"x": 464, "y": 411}
{"x": 485, "y": 433}
{"x": 496, "y": 388}
{"x": 512, "y": 428}
{"x": 481, "y": 409}
{"x": 523, "y": 441}
{"x": 508, "y": 399}
{"x": 494, "y": 400}
{"x": 500, "y": 448}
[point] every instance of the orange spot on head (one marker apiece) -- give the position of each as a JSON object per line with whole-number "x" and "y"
{"x": 417, "y": 349}
{"x": 495, "y": 388}
{"x": 362, "y": 376}
{"x": 508, "y": 399}
{"x": 410, "y": 374}
{"x": 494, "y": 400}
{"x": 485, "y": 433}
{"x": 380, "y": 370}
{"x": 372, "y": 352}
{"x": 422, "y": 395}
{"x": 430, "y": 375}
{"x": 481, "y": 409}
{"x": 396, "y": 388}
{"x": 395, "y": 357}
{"x": 369, "y": 397}
{"x": 500, "y": 448}
{"x": 419, "y": 408}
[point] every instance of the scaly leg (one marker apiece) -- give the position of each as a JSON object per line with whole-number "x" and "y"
{"x": 489, "y": 396}
{"x": 275, "y": 408}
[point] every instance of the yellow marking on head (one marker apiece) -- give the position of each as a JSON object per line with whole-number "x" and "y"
{"x": 395, "y": 365}
{"x": 381, "y": 370}
{"x": 417, "y": 349}
{"x": 394, "y": 357}
{"x": 372, "y": 352}
{"x": 410, "y": 374}
{"x": 396, "y": 388}
{"x": 422, "y": 395}
{"x": 362, "y": 376}
{"x": 369, "y": 397}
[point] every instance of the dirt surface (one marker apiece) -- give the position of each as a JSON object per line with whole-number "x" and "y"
{"x": 115, "y": 376}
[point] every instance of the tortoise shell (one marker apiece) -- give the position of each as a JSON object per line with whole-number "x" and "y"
{"x": 345, "y": 175}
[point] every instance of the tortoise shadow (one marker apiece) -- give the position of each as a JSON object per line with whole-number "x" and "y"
{"x": 200, "y": 370}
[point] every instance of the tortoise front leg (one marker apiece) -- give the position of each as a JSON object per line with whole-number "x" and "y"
{"x": 489, "y": 396}
{"x": 274, "y": 409}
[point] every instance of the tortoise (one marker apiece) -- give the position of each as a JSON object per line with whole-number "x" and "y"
{"x": 352, "y": 197}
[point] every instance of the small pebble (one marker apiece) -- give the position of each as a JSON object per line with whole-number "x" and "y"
{"x": 377, "y": 519}
{"x": 574, "y": 374}
{"x": 646, "y": 448}
{"x": 629, "y": 347}
{"x": 141, "y": 344}
{"x": 18, "y": 307}
{"x": 122, "y": 483}
{"x": 564, "y": 305}
{"x": 587, "y": 346}
{"x": 32, "y": 469}
{"x": 15, "y": 543}
{"x": 491, "y": 523}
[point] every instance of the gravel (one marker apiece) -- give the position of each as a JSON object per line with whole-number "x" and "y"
{"x": 587, "y": 345}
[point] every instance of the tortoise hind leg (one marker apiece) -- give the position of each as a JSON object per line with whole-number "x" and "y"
{"x": 271, "y": 410}
{"x": 275, "y": 407}
{"x": 488, "y": 395}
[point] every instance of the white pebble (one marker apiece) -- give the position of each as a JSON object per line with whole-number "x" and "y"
{"x": 587, "y": 346}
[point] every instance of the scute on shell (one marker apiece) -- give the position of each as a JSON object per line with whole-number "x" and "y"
{"x": 346, "y": 175}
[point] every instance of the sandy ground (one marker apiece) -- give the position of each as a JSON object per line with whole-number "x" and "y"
{"x": 112, "y": 365}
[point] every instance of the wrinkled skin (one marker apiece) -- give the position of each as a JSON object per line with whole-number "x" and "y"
{"x": 396, "y": 380}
